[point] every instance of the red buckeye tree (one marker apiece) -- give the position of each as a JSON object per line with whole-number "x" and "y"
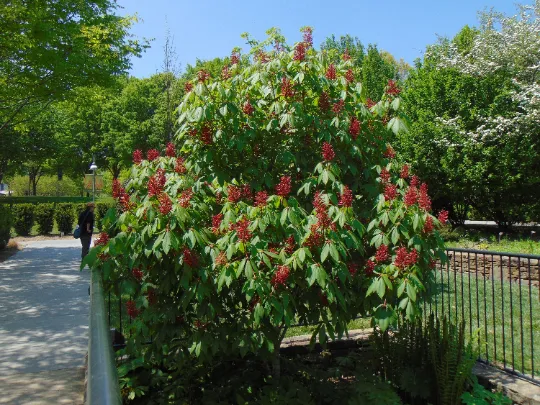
{"x": 282, "y": 203}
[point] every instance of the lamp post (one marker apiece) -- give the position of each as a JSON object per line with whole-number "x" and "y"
{"x": 93, "y": 167}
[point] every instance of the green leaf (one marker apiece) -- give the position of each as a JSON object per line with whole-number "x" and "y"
{"x": 313, "y": 274}
{"x": 167, "y": 243}
{"x": 325, "y": 251}
{"x": 333, "y": 252}
{"x": 381, "y": 288}
{"x": 411, "y": 291}
{"x": 415, "y": 221}
{"x": 384, "y": 317}
{"x": 395, "y": 236}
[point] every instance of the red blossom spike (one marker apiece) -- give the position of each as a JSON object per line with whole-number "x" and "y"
{"x": 443, "y": 217}
{"x": 185, "y": 198}
{"x": 338, "y": 106}
{"x": 354, "y": 128}
{"x": 385, "y": 175}
{"x": 370, "y": 266}
{"x": 424, "y": 201}
{"x": 179, "y": 166}
{"x": 390, "y": 192}
{"x": 328, "y": 152}
{"x": 242, "y": 230}
{"x": 165, "y": 204}
{"x": 221, "y": 259}
{"x": 346, "y": 197}
{"x": 370, "y": 103}
{"x": 188, "y": 87}
{"x": 216, "y": 222}
{"x": 290, "y": 245}
{"x": 283, "y": 189}
{"x": 280, "y": 276}
{"x": 190, "y": 258}
{"x": 225, "y": 73}
{"x": 324, "y": 102}
{"x": 300, "y": 52}
{"x": 390, "y": 153}
{"x": 353, "y": 268}
{"x": 152, "y": 154}
{"x": 349, "y": 76}
{"x": 286, "y": 88}
{"x": 404, "y": 174}
{"x": 392, "y": 88}
{"x": 137, "y": 156}
{"x": 234, "y": 193}
{"x": 382, "y": 254}
{"x": 428, "y": 225}
{"x": 137, "y": 274}
{"x": 170, "y": 151}
{"x": 102, "y": 240}
{"x": 261, "y": 198}
{"x": 331, "y": 73}
{"x": 346, "y": 55}
{"x": 206, "y": 134}
{"x": 411, "y": 196}
{"x": 248, "y": 108}
{"x": 203, "y": 75}
{"x": 132, "y": 310}
{"x": 415, "y": 181}
{"x": 308, "y": 36}
{"x": 235, "y": 58}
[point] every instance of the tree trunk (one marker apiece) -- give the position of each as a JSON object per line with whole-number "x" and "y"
{"x": 276, "y": 365}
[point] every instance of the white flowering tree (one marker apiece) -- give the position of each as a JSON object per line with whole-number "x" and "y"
{"x": 485, "y": 117}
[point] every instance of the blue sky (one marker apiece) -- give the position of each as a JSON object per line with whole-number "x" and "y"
{"x": 206, "y": 29}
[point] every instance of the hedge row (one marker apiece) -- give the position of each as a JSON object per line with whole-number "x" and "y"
{"x": 41, "y": 200}
{"x": 65, "y": 214}
{"x": 6, "y": 223}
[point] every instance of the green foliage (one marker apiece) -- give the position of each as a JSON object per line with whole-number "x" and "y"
{"x": 452, "y": 361}
{"x": 23, "y": 215}
{"x": 100, "y": 213}
{"x": 376, "y": 72}
{"x": 44, "y": 214}
{"x": 43, "y": 200}
{"x": 6, "y": 221}
{"x": 48, "y": 186}
{"x": 65, "y": 217}
{"x": 252, "y": 229}
{"x": 479, "y": 395}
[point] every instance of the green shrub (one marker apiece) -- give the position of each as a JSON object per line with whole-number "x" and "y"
{"x": 23, "y": 218}
{"x": 65, "y": 217}
{"x": 6, "y": 221}
{"x": 448, "y": 234}
{"x": 100, "y": 212}
{"x": 44, "y": 214}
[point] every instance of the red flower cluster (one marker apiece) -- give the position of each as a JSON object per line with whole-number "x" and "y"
{"x": 260, "y": 198}
{"x": 354, "y": 128}
{"x": 225, "y": 74}
{"x": 165, "y": 203}
{"x": 411, "y": 196}
{"x": 283, "y": 189}
{"x": 137, "y": 156}
{"x": 248, "y": 108}
{"x": 290, "y": 245}
{"x": 286, "y": 88}
{"x": 315, "y": 238}
{"x": 392, "y": 89}
{"x": 280, "y": 276}
{"x": 331, "y": 72}
{"x": 300, "y": 52}
{"x": 346, "y": 197}
{"x": 346, "y": 55}
{"x": 428, "y": 225}
{"x": 323, "y": 220}
{"x": 156, "y": 183}
{"x": 188, "y": 87}
{"x": 328, "y": 152}
{"x": 382, "y": 254}
{"x": 390, "y": 153}
{"x": 190, "y": 258}
{"x": 179, "y": 166}
{"x": 262, "y": 57}
{"x": 116, "y": 189}
{"x": 206, "y": 134}
{"x": 415, "y": 181}
{"x": 216, "y": 222}
{"x": 338, "y": 106}
{"x": 349, "y": 75}
{"x": 370, "y": 266}
{"x": 203, "y": 75}
{"x": 185, "y": 198}
{"x": 324, "y": 102}
{"x": 405, "y": 259}
{"x": 443, "y": 217}
{"x": 137, "y": 274}
{"x": 308, "y": 36}
{"x": 234, "y": 193}
{"x": 170, "y": 152}
{"x": 235, "y": 58}
{"x": 385, "y": 175}
{"x": 125, "y": 201}
{"x": 370, "y": 103}
{"x": 246, "y": 192}
{"x": 390, "y": 191}
{"x": 132, "y": 310}
{"x": 353, "y": 268}
{"x": 404, "y": 172}
{"x": 242, "y": 230}
{"x": 424, "y": 201}
{"x": 152, "y": 154}
{"x": 102, "y": 240}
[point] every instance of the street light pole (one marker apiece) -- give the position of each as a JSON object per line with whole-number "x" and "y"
{"x": 93, "y": 167}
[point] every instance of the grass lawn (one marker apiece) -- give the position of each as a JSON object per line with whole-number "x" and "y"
{"x": 505, "y": 316}
{"x": 511, "y": 243}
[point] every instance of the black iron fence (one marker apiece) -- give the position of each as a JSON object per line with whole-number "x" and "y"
{"x": 496, "y": 294}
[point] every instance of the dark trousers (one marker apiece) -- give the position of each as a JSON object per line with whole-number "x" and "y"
{"x": 85, "y": 242}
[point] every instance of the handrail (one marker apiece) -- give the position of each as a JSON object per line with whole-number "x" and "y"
{"x": 103, "y": 387}
{"x": 493, "y": 253}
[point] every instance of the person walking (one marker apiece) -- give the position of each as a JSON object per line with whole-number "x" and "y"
{"x": 86, "y": 225}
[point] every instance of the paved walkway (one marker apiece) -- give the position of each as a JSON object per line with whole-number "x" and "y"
{"x": 44, "y": 306}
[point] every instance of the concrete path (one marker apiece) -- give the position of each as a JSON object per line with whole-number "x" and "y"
{"x": 44, "y": 306}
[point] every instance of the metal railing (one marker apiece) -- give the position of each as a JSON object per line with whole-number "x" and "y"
{"x": 102, "y": 385}
{"x": 498, "y": 296}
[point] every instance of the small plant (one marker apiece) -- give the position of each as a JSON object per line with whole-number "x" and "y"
{"x": 65, "y": 217}
{"x": 479, "y": 395}
{"x": 44, "y": 214}
{"x": 23, "y": 218}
